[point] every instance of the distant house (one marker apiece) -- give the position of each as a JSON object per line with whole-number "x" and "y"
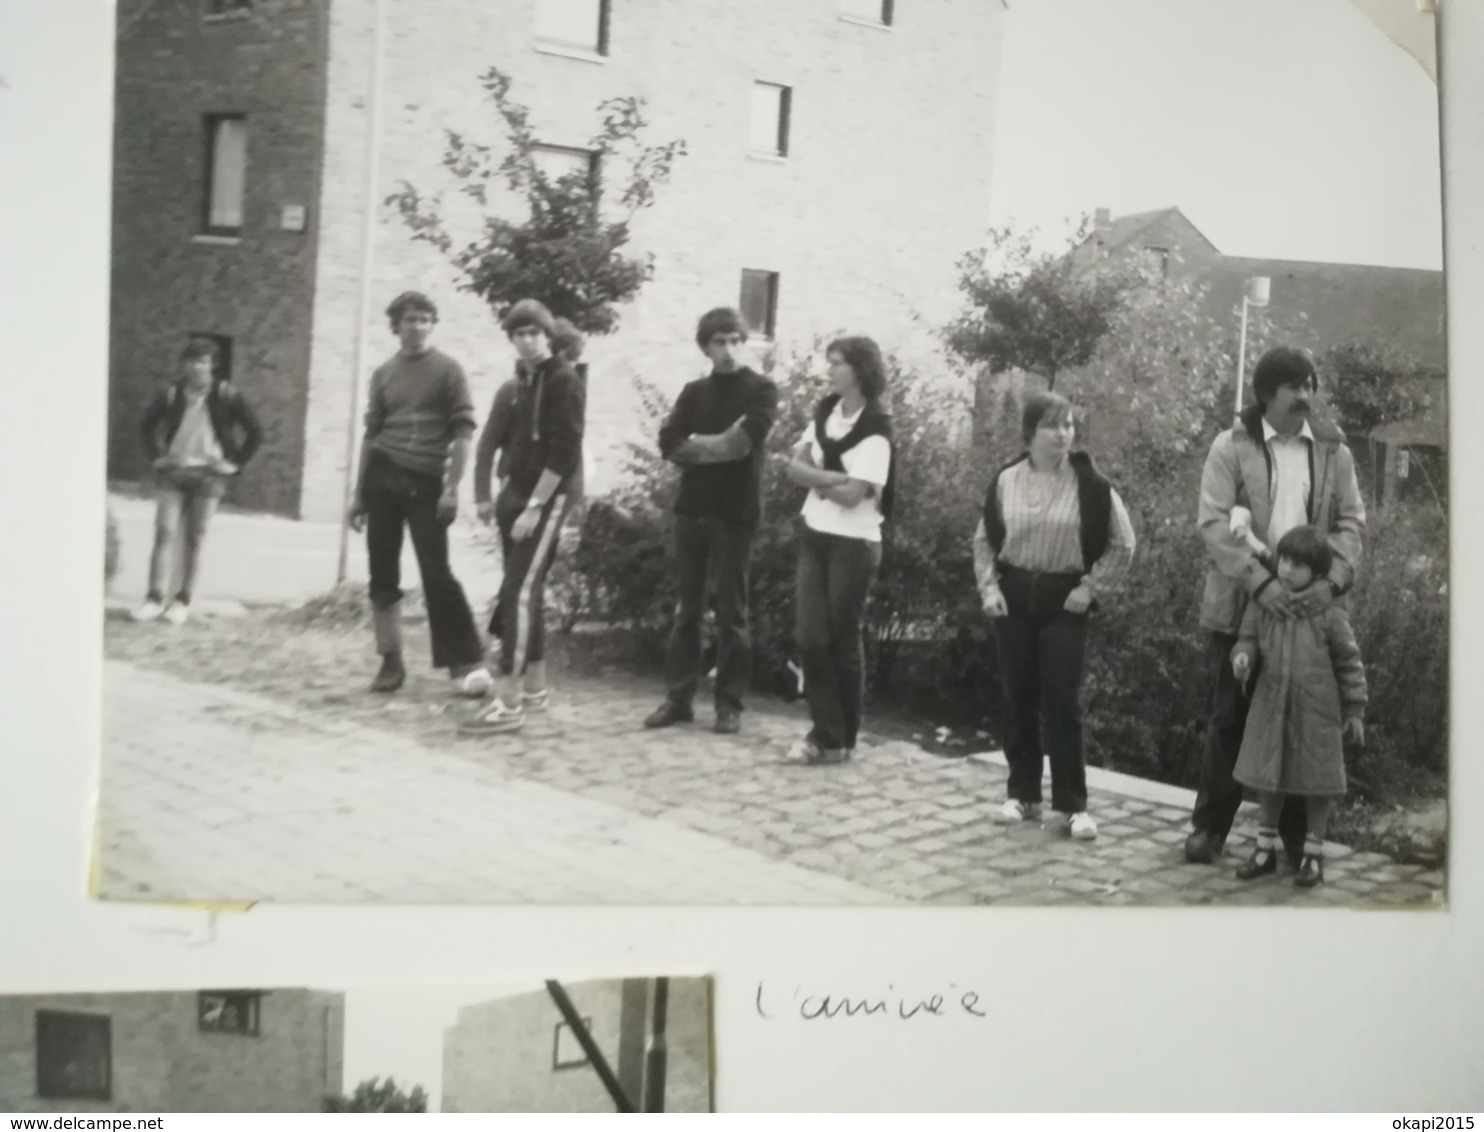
{"x": 175, "y": 1051}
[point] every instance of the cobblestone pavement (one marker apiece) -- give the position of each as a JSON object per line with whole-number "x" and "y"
{"x": 213, "y": 793}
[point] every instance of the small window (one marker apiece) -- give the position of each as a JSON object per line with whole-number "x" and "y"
{"x": 1159, "y": 259}
{"x": 771, "y": 107}
{"x": 868, "y": 11}
{"x": 227, "y": 7}
{"x": 74, "y": 1055}
{"x": 760, "y": 301}
{"x": 229, "y": 1012}
{"x": 226, "y": 173}
{"x": 558, "y": 161}
{"x": 566, "y": 1050}
{"x": 577, "y": 25}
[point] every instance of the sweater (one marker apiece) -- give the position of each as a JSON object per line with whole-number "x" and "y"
{"x": 730, "y": 492}
{"x": 416, "y": 409}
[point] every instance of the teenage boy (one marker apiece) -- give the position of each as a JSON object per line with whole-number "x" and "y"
{"x": 715, "y": 433}
{"x": 419, "y": 427}
{"x": 199, "y": 433}
{"x": 540, "y": 438}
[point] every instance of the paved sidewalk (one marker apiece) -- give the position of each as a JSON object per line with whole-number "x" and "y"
{"x": 211, "y": 793}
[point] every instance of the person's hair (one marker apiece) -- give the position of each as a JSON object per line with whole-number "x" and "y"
{"x": 1044, "y": 408}
{"x": 199, "y": 348}
{"x": 1307, "y": 546}
{"x": 566, "y": 339}
{"x": 528, "y": 312}
{"x": 864, "y": 357}
{"x": 720, "y": 320}
{"x": 409, "y": 301}
{"x": 1280, "y": 366}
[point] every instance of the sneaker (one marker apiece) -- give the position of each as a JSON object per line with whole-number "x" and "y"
{"x": 476, "y": 684}
{"x": 497, "y": 719}
{"x": 149, "y": 611}
{"x": 1081, "y": 826}
{"x": 536, "y": 701}
{"x": 1013, "y": 811}
{"x": 177, "y": 613}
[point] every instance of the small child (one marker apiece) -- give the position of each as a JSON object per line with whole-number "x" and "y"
{"x": 1309, "y": 697}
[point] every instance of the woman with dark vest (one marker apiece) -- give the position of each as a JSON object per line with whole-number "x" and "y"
{"x": 1054, "y": 539}
{"x": 845, "y": 460}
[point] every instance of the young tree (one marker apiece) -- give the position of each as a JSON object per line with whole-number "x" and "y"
{"x": 377, "y": 1095}
{"x": 567, "y": 249}
{"x": 1369, "y": 384}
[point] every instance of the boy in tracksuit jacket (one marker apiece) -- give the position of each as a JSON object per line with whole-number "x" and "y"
{"x": 541, "y": 456}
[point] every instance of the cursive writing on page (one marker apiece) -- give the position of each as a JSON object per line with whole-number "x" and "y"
{"x": 812, "y": 1006}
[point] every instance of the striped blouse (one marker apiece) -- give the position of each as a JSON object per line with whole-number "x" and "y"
{"x": 1043, "y": 531}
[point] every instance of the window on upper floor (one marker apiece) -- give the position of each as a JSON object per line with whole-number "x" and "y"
{"x": 226, "y": 174}
{"x": 772, "y": 106}
{"x": 566, "y": 1050}
{"x": 558, "y": 161}
{"x": 1159, "y": 260}
{"x": 573, "y": 25}
{"x": 227, "y": 7}
{"x": 868, "y": 11}
{"x": 759, "y": 301}
{"x": 229, "y": 1012}
{"x": 74, "y": 1055}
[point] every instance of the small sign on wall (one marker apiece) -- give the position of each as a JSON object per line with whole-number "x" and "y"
{"x": 1403, "y": 463}
{"x": 292, "y": 218}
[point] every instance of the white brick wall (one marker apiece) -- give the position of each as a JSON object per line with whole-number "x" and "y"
{"x": 886, "y": 184}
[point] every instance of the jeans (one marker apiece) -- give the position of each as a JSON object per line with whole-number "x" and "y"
{"x": 1219, "y": 796}
{"x": 395, "y": 497}
{"x": 832, "y": 585}
{"x": 519, "y": 621}
{"x": 1041, "y": 652}
{"x": 715, "y": 555}
{"x": 185, "y": 501}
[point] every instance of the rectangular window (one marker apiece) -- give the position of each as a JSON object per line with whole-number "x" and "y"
{"x": 74, "y": 1055}
{"x": 226, "y": 173}
{"x": 760, "y": 301}
{"x": 1159, "y": 259}
{"x": 771, "y": 105}
{"x": 558, "y": 161}
{"x": 868, "y": 11}
{"x": 566, "y": 1050}
{"x": 229, "y": 1012}
{"x": 226, "y": 7}
{"x": 577, "y": 25}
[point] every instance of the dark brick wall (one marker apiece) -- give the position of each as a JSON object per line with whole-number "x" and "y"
{"x": 175, "y": 65}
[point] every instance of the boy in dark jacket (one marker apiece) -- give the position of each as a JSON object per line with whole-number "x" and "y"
{"x": 199, "y": 433}
{"x": 715, "y": 433}
{"x": 541, "y": 457}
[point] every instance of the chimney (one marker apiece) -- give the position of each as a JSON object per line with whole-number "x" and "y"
{"x": 1101, "y": 219}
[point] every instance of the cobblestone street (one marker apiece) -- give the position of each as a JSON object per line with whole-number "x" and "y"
{"x": 209, "y": 792}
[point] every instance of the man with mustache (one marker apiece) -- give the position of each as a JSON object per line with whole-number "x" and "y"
{"x": 1286, "y": 470}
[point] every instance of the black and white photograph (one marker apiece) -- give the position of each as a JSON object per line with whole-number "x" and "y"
{"x": 603, "y": 1045}
{"x": 810, "y": 452}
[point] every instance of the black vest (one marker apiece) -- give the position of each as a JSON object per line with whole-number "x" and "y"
{"x": 1094, "y": 503}
{"x": 871, "y": 422}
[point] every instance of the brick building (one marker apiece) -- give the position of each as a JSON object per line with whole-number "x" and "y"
{"x": 517, "y": 1054}
{"x": 173, "y": 1051}
{"x": 838, "y": 165}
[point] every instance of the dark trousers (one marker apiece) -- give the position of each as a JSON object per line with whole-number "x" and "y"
{"x": 394, "y": 498}
{"x": 832, "y": 584}
{"x": 1041, "y": 652}
{"x": 1219, "y": 796}
{"x": 713, "y": 555}
{"x": 519, "y": 622}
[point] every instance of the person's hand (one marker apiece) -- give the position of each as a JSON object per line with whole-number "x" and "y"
{"x": 227, "y": 468}
{"x": 486, "y": 512}
{"x": 1313, "y": 598}
{"x": 1276, "y": 600}
{"x": 1241, "y": 522}
{"x": 1078, "y": 600}
{"x": 525, "y": 524}
{"x": 1354, "y": 730}
{"x": 1242, "y": 666}
{"x": 994, "y": 604}
{"x": 448, "y": 507}
{"x": 356, "y": 516}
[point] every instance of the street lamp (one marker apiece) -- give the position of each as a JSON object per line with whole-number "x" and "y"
{"x": 1254, "y": 293}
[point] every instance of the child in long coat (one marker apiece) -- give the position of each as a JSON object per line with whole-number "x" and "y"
{"x": 1309, "y": 697}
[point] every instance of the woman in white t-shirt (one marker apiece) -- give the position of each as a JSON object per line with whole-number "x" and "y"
{"x": 845, "y": 460}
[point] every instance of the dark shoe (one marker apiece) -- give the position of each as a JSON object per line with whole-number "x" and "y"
{"x": 1310, "y": 871}
{"x": 1293, "y": 855}
{"x": 392, "y": 675}
{"x": 728, "y": 721}
{"x": 1261, "y": 863}
{"x": 1203, "y": 848}
{"x": 669, "y": 713}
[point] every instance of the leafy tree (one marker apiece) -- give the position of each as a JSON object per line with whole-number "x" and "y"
{"x": 377, "y": 1095}
{"x": 567, "y": 250}
{"x": 1039, "y": 311}
{"x": 1369, "y": 384}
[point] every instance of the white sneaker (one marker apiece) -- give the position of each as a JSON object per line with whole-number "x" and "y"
{"x": 149, "y": 611}
{"x": 177, "y": 613}
{"x": 477, "y": 684}
{"x": 1081, "y": 826}
{"x": 536, "y": 701}
{"x": 1013, "y": 811}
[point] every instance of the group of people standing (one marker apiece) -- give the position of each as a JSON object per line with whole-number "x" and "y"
{"x": 1280, "y": 514}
